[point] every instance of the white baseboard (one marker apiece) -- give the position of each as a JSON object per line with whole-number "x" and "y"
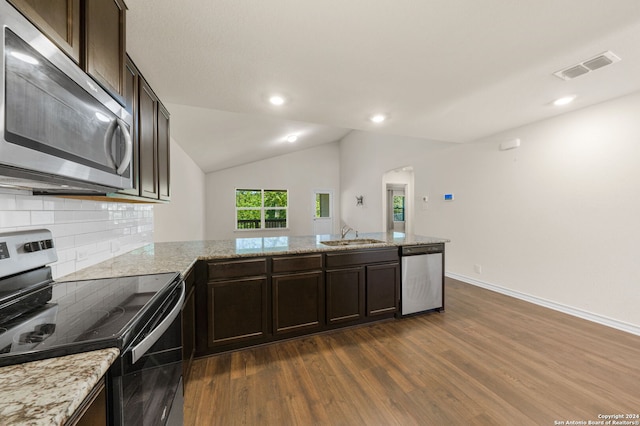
{"x": 590, "y": 316}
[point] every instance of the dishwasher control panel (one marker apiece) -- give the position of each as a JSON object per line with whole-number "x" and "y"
{"x": 421, "y": 249}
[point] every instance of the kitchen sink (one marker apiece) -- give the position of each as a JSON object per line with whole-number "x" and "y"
{"x": 352, "y": 242}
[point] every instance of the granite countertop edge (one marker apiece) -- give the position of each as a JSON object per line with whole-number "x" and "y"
{"x": 31, "y": 392}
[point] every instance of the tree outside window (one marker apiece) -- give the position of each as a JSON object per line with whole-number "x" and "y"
{"x": 398, "y": 208}
{"x": 261, "y": 208}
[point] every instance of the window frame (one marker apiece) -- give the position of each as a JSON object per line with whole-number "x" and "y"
{"x": 263, "y": 210}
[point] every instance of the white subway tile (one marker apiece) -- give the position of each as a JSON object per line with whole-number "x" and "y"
{"x": 66, "y": 268}
{"x": 70, "y": 204}
{"x": 14, "y": 218}
{"x": 7, "y": 202}
{"x": 65, "y": 243}
{"x": 63, "y": 216}
{"x": 88, "y": 205}
{"x": 28, "y": 202}
{"x": 42, "y": 217}
{"x": 85, "y": 232}
{"x": 52, "y": 203}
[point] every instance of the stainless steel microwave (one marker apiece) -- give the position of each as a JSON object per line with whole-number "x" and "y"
{"x": 60, "y": 129}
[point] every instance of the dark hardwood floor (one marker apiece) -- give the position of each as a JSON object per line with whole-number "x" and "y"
{"x": 487, "y": 360}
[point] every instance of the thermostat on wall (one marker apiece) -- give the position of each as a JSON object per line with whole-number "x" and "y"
{"x": 448, "y": 197}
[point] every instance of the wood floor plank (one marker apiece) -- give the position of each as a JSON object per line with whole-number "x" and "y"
{"x": 487, "y": 360}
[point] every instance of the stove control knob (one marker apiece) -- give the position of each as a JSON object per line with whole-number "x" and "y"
{"x": 38, "y": 245}
{"x": 32, "y": 246}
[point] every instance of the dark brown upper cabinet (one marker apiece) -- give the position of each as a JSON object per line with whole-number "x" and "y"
{"x": 164, "y": 142}
{"x": 131, "y": 103}
{"x": 148, "y": 140}
{"x": 57, "y": 19}
{"x": 91, "y": 32}
{"x": 151, "y": 160}
{"x": 105, "y": 47}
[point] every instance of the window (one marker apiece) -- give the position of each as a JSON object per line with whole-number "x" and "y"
{"x": 398, "y": 208}
{"x": 261, "y": 208}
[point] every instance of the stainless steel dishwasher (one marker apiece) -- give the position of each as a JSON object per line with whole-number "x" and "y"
{"x": 422, "y": 278}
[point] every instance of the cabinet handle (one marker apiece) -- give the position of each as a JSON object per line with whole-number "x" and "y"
{"x": 128, "y": 152}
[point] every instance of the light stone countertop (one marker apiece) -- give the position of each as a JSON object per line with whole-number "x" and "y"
{"x": 180, "y": 256}
{"x": 49, "y": 391}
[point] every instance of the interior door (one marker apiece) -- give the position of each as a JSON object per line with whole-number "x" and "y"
{"x": 323, "y": 212}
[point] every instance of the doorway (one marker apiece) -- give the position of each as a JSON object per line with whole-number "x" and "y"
{"x": 397, "y": 200}
{"x": 323, "y": 212}
{"x": 396, "y": 208}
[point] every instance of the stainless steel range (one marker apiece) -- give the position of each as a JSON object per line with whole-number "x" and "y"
{"x": 140, "y": 315}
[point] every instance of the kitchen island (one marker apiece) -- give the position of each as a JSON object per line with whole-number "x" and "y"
{"x": 248, "y": 291}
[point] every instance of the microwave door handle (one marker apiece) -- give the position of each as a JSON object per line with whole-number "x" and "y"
{"x": 141, "y": 348}
{"x": 128, "y": 151}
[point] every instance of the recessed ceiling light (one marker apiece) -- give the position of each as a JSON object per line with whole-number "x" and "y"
{"x": 378, "y": 118}
{"x": 291, "y": 138}
{"x": 277, "y": 100}
{"x": 564, "y": 100}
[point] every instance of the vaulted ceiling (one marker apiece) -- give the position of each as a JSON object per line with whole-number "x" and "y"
{"x": 449, "y": 70}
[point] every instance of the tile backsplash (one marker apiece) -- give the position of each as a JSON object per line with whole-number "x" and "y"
{"x": 85, "y": 232}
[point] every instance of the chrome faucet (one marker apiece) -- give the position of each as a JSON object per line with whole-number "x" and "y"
{"x": 344, "y": 231}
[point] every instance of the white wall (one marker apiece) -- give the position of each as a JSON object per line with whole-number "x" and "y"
{"x": 555, "y": 221}
{"x": 301, "y": 172}
{"x": 183, "y": 218}
{"x": 85, "y": 232}
{"x": 364, "y": 159}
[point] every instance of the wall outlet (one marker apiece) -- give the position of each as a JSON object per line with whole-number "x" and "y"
{"x": 477, "y": 268}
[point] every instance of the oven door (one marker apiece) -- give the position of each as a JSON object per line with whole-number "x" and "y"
{"x": 150, "y": 390}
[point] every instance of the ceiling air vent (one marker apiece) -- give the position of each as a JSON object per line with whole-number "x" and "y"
{"x": 591, "y": 64}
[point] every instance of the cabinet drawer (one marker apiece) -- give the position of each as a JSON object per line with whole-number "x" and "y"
{"x": 237, "y": 268}
{"x": 351, "y": 258}
{"x": 296, "y": 263}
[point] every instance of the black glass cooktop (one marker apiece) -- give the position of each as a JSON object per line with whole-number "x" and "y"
{"x": 82, "y": 316}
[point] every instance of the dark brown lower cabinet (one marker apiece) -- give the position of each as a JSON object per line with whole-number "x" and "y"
{"x": 298, "y": 302}
{"x": 93, "y": 410}
{"x": 237, "y": 310}
{"x": 383, "y": 288}
{"x": 345, "y": 294}
{"x": 248, "y": 301}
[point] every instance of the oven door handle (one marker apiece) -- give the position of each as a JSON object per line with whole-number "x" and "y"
{"x": 141, "y": 348}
